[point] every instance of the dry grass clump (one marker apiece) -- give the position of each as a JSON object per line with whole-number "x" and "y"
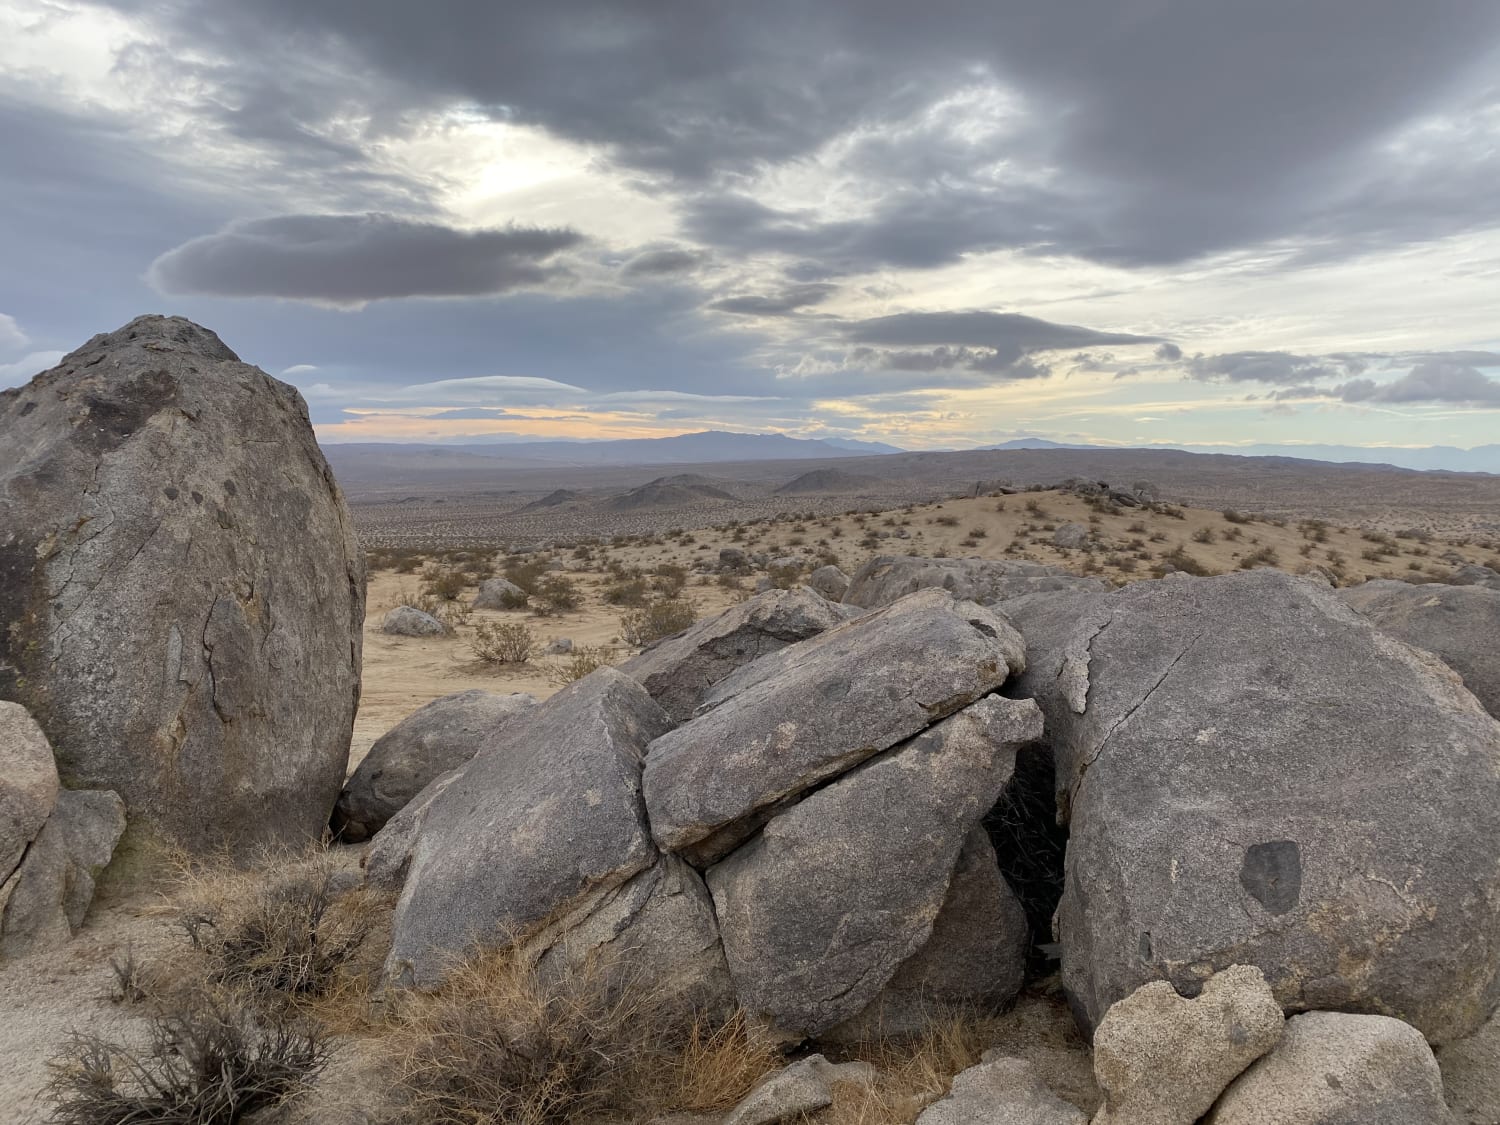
{"x": 910, "y": 1073}
{"x": 580, "y": 662}
{"x": 506, "y": 1044}
{"x": 657, "y": 620}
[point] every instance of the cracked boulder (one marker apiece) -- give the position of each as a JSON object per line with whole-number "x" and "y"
{"x": 548, "y": 813}
{"x": 181, "y": 589}
{"x": 432, "y": 740}
{"x": 821, "y": 910}
{"x": 887, "y": 578}
{"x": 1459, "y": 624}
{"x": 1254, "y": 774}
{"x": 812, "y": 710}
{"x": 679, "y": 671}
{"x": 28, "y": 786}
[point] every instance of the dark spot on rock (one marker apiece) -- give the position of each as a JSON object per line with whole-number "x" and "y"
{"x": 1272, "y": 874}
{"x": 121, "y": 408}
{"x": 1144, "y": 946}
{"x": 986, "y": 629}
{"x": 833, "y": 691}
{"x": 230, "y": 488}
{"x": 197, "y": 497}
{"x": 1333, "y": 1081}
{"x": 225, "y": 520}
{"x": 170, "y": 492}
{"x": 27, "y": 409}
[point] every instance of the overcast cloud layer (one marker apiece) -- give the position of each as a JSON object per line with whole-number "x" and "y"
{"x": 935, "y": 224}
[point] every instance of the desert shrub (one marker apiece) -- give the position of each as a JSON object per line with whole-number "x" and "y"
{"x": 1266, "y": 556}
{"x": 502, "y": 642}
{"x": 946, "y": 521}
{"x": 428, "y": 603}
{"x": 526, "y": 573}
{"x": 284, "y": 934}
{"x": 969, "y": 543}
{"x": 444, "y": 583}
{"x": 657, "y": 620}
{"x": 1373, "y": 554}
{"x": 1204, "y": 535}
{"x": 506, "y": 1044}
{"x": 978, "y": 533}
{"x": 668, "y": 579}
{"x": 1232, "y": 516}
{"x": 556, "y": 594}
{"x": 785, "y": 577}
{"x": 204, "y": 1061}
{"x": 730, "y": 581}
{"x": 580, "y": 662}
{"x": 627, "y": 592}
{"x": 1179, "y": 558}
{"x": 1315, "y": 530}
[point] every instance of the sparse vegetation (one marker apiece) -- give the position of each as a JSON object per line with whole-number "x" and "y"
{"x": 657, "y": 620}
{"x": 502, "y": 642}
{"x": 580, "y": 662}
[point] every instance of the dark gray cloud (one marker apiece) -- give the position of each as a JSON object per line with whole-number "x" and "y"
{"x": 664, "y": 261}
{"x": 351, "y": 259}
{"x": 1009, "y": 333}
{"x": 1263, "y": 367}
{"x": 1427, "y": 382}
{"x": 784, "y": 303}
{"x": 1168, "y": 353}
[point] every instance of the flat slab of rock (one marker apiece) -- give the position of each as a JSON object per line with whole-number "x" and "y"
{"x": 811, "y": 711}
{"x": 28, "y": 785}
{"x": 548, "y": 812}
{"x": 1256, "y": 775}
{"x": 682, "y": 669}
{"x": 887, "y": 578}
{"x": 1001, "y": 1091}
{"x": 1332, "y": 1068}
{"x": 1162, "y": 1059}
{"x": 405, "y": 621}
{"x": 820, "y": 911}
{"x": 181, "y": 589}
{"x": 1459, "y": 624}
{"x": 432, "y": 740}
{"x": 48, "y": 897}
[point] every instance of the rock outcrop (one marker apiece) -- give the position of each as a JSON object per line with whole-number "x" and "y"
{"x": 28, "y": 785}
{"x": 407, "y": 621}
{"x": 887, "y": 578}
{"x": 177, "y": 644}
{"x": 499, "y": 593}
{"x": 432, "y": 740}
{"x": 1459, "y": 624}
{"x": 1255, "y": 775}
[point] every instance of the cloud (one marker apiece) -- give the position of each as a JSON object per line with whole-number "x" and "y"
{"x": 784, "y": 303}
{"x": 1262, "y": 367}
{"x": 1010, "y": 334}
{"x": 667, "y": 261}
{"x": 21, "y": 371}
{"x": 11, "y": 336}
{"x": 476, "y": 413}
{"x": 1427, "y": 382}
{"x": 1168, "y": 352}
{"x": 349, "y": 260}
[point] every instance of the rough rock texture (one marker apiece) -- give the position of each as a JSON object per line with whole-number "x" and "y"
{"x": 499, "y": 593}
{"x": 1460, "y": 624}
{"x": 405, "y": 621}
{"x": 49, "y": 895}
{"x": 547, "y": 812}
{"x": 432, "y": 740}
{"x": 178, "y": 645}
{"x": 975, "y": 956}
{"x": 886, "y": 578}
{"x": 659, "y": 925}
{"x": 804, "y": 1086}
{"x": 821, "y": 909}
{"x": 28, "y": 786}
{"x": 1471, "y": 1076}
{"x": 1337, "y": 1069}
{"x": 388, "y": 861}
{"x": 1256, "y": 775}
{"x": 829, "y": 581}
{"x": 1048, "y": 621}
{"x": 1164, "y": 1060}
{"x": 680, "y": 670}
{"x": 1072, "y": 536}
{"x": 810, "y": 711}
{"x": 1475, "y": 575}
{"x": 1001, "y": 1091}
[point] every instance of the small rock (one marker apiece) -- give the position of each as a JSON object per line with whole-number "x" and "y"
{"x": 404, "y": 621}
{"x": 499, "y": 593}
{"x": 1001, "y": 1091}
{"x": 1163, "y": 1060}
{"x": 1333, "y": 1068}
{"x": 804, "y": 1086}
{"x": 558, "y": 646}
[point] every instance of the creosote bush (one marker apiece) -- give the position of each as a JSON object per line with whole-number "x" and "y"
{"x": 502, "y": 642}
{"x": 580, "y": 662}
{"x": 657, "y": 620}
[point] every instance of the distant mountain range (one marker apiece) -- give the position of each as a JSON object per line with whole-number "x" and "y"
{"x": 1448, "y": 458}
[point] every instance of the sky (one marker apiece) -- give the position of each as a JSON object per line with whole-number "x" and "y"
{"x": 939, "y": 224}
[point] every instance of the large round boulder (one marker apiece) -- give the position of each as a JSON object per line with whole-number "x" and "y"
{"x": 1256, "y": 775}
{"x": 181, "y": 589}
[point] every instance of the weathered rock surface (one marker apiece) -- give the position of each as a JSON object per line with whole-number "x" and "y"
{"x": 548, "y": 812}
{"x": 499, "y": 593}
{"x": 820, "y": 910}
{"x": 886, "y": 578}
{"x": 1164, "y": 1060}
{"x": 1475, "y": 575}
{"x": 177, "y": 645}
{"x": 28, "y": 785}
{"x": 660, "y": 927}
{"x": 804, "y": 1086}
{"x": 1256, "y": 775}
{"x": 1001, "y": 1091}
{"x": 388, "y": 861}
{"x": 1471, "y": 1076}
{"x": 47, "y": 898}
{"x": 406, "y": 621}
{"x": 1460, "y": 624}
{"x": 829, "y": 581}
{"x": 810, "y": 711}
{"x": 680, "y": 670}
{"x": 1072, "y": 536}
{"x": 1331, "y": 1068}
{"x": 976, "y": 955}
{"x": 432, "y": 740}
